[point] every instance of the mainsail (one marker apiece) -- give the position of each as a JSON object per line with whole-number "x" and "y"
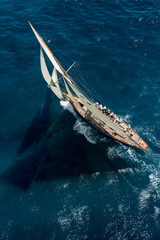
{"x": 50, "y": 55}
{"x": 52, "y": 81}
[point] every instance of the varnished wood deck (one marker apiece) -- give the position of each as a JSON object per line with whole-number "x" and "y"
{"x": 133, "y": 140}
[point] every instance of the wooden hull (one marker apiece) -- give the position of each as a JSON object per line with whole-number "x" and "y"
{"x": 107, "y": 134}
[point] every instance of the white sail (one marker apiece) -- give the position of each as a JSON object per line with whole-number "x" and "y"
{"x": 50, "y": 80}
{"x": 50, "y": 55}
{"x": 55, "y": 77}
{"x": 97, "y": 112}
{"x": 47, "y": 50}
{"x": 56, "y": 91}
{"x": 71, "y": 95}
{"x": 44, "y": 69}
{"x": 56, "y": 82}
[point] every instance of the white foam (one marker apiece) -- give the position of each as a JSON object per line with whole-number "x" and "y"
{"x": 118, "y": 151}
{"x": 80, "y": 126}
{"x": 127, "y": 118}
{"x": 121, "y": 208}
{"x": 132, "y": 153}
{"x": 152, "y": 190}
{"x": 103, "y": 139}
{"x": 64, "y": 104}
{"x": 68, "y": 106}
{"x": 157, "y": 211}
{"x": 111, "y": 153}
{"x": 95, "y": 175}
{"x": 63, "y": 185}
{"x": 80, "y": 215}
{"x": 155, "y": 182}
{"x": 143, "y": 198}
{"x": 110, "y": 179}
{"x": 126, "y": 170}
{"x": 84, "y": 129}
{"x": 154, "y": 140}
{"x": 64, "y": 222}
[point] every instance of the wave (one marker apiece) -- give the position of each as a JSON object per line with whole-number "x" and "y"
{"x": 84, "y": 129}
{"x": 80, "y": 126}
{"x": 68, "y": 217}
{"x": 66, "y": 105}
{"x": 127, "y": 118}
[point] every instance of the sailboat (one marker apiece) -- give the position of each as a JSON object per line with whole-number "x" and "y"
{"x": 94, "y": 113}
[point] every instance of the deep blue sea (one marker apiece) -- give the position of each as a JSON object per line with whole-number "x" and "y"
{"x": 60, "y": 178}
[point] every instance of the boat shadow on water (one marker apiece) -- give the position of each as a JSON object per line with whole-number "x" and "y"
{"x": 51, "y": 149}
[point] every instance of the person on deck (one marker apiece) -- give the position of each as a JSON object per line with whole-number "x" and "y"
{"x": 104, "y": 109}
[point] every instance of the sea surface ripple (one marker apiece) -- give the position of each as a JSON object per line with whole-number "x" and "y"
{"x": 60, "y": 178}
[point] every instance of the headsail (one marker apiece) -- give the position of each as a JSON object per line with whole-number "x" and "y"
{"x": 71, "y": 95}
{"x": 50, "y": 55}
{"x": 54, "y": 77}
{"x": 52, "y": 81}
{"x": 54, "y": 85}
{"x": 56, "y": 91}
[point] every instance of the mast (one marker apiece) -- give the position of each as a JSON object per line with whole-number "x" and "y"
{"x": 50, "y": 55}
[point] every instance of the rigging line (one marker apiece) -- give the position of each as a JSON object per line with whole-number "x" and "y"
{"x": 71, "y": 66}
{"x": 66, "y": 72}
{"x": 83, "y": 83}
{"x": 83, "y": 90}
{"x": 90, "y": 92}
{"x": 73, "y": 79}
{"x": 94, "y": 93}
{"x": 80, "y": 75}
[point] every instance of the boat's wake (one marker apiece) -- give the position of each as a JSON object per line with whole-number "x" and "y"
{"x": 67, "y": 105}
{"x": 140, "y": 166}
{"x": 80, "y": 126}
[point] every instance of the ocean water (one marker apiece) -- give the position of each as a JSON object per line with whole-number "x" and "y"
{"x": 59, "y": 177}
